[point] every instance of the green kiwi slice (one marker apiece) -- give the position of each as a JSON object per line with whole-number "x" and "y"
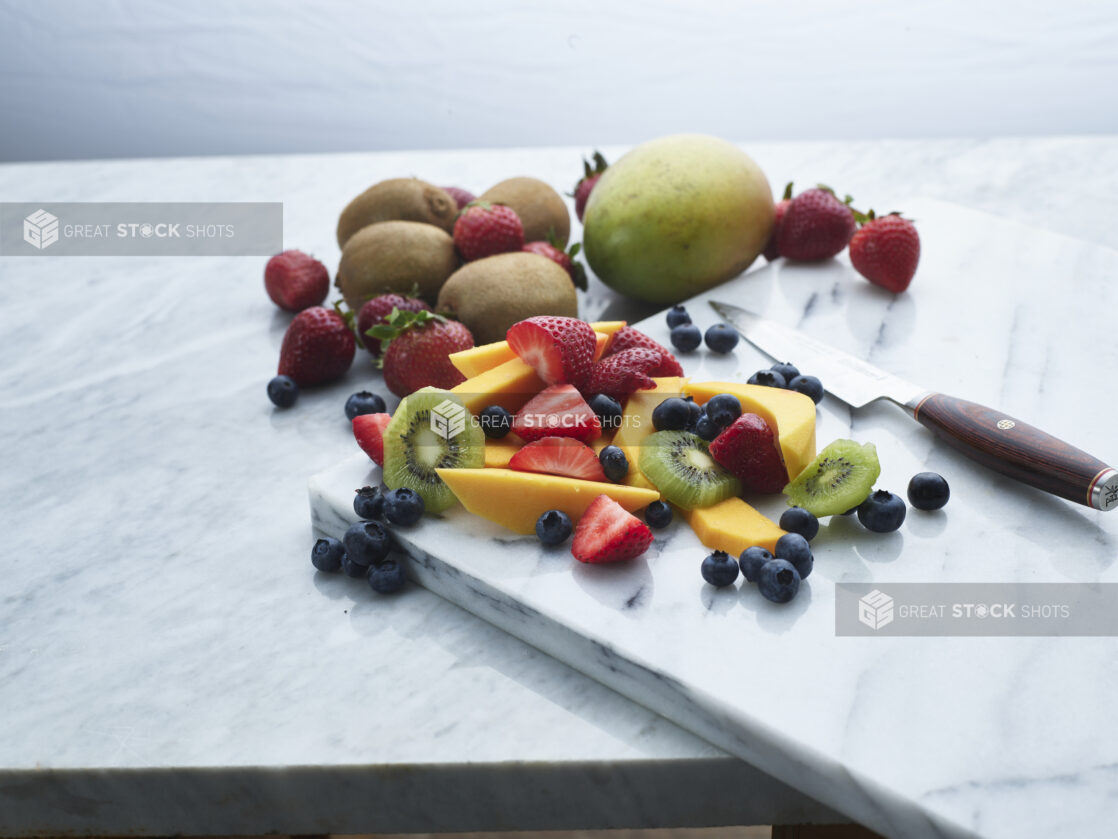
{"x": 841, "y": 477}
{"x": 415, "y": 446}
{"x": 679, "y": 465}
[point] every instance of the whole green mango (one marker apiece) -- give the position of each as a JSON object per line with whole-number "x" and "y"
{"x": 675, "y": 216}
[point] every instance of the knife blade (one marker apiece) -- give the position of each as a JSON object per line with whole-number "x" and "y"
{"x": 986, "y": 435}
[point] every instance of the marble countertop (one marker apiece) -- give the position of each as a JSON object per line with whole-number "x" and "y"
{"x": 163, "y": 639}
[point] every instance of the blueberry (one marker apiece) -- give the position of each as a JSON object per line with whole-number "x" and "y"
{"x": 696, "y": 411}
{"x": 366, "y": 543}
{"x": 495, "y": 421}
{"x": 928, "y": 491}
{"x": 364, "y": 402}
{"x": 614, "y": 463}
{"x": 368, "y": 503}
{"x": 706, "y": 428}
{"x": 799, "y": 520}
{"x": 808, "y": 386}
{"x": 673, "y": 414}
{"x": 794, "y": 548}
{"x": 788, "y": 371}
{"x": 686, "y": 337}
{"x": 402, "y": 506}
{"x": 882, "y": 512}
{"x": 658, "y": 514}
{"x": 721, "y": 338}
{"x": 553, "y": 527}
{"x": 608, "y": 410}
{"x": 723, "y": 409}
{"x": 719, "y": 569}
{"x": 387, "y": 577}
{"x": 751, "y": 560}
{"x": 778, "y": 581}
{"x": 677, "y": 315}
{"x": 767, "y": 378}
{"x": 352, "y": 569}
{"x": 327, "y": 553}
{"x": 283, "y": 391}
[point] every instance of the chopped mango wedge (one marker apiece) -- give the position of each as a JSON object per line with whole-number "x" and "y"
{"x": 498, "y": 453}
{"x": 732, "y": 526}
{"x": 509, "y": 385}
{"x": 516, "y": 499}
{"x": 476, "y": 360}
{"x": 791, "y": 414}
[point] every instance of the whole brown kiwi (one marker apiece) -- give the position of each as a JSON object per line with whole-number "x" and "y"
{"x": 395, "y": 256}
{"x": 398, "y": 199}
{"x": 490, "y": 295}
{"x": 541, "y": 208}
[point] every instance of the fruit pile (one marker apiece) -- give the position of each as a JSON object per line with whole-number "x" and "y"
{"x": 411, "y": 250}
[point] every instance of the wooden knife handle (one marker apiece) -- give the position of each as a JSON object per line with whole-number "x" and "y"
{"x": 1019, "y": 450}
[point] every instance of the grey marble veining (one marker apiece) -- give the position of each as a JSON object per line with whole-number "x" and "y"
{"x": 915, "y": 737}
{"x": 164, "y": 643}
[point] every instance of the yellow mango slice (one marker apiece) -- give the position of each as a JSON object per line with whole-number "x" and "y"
{"x": 516, "y": 499}
{"x": 791, "y": 414}
{"x": 509, "y": 385}
{"x": 498, "y": 453}
{"x": 476, "y": 360}
{"x": 636, "y": 424}
{"x": 732, "y": 525}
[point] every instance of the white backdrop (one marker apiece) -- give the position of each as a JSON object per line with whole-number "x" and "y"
{"x": 179, "y": 77}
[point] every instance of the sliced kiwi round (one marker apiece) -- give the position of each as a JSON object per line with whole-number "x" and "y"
{"x": 431, "y": 429}
{"x": 841, "y": 477}
{"x": 679, "y": 465}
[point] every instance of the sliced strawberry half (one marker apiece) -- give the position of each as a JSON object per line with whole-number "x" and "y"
{"x": 559, "y": 349}
{"x": 607, "y": 532}
{"x": 368, "y": 429}
{"x": 557, "y": 411}
{"x": 559, "y": 456}
{"x": 749, "y": 450}
{"x": 627, "y": 338}
{"x": 621, "y": 374}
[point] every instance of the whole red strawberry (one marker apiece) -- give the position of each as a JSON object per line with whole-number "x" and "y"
{"x": 816, "y": 225}
{"x": 378, "y": 309}
{"x": 317, "y": 347}
{"x": 626, "y": 338}
{"x": 564, "y": 259}
{"x": 487, "y": 229}
{"x": 886, "y": 251}
{"x": 749, "y": 450}
{"x": 296, "y": 281}
{"x": 461, "y": 197}
{"x": 559, "y": 349}
{"x": 419, "y": 345}
{"x": 620, "y": 374}
{"x": 590, "y": 177}
{"x": 771, "y": 251}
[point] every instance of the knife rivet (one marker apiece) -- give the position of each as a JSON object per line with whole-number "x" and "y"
{"x": 1006, "y": 424}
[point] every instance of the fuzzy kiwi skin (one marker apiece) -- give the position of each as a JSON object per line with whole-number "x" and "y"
{"x": 398, "y": 199}
{"x": 490, "y": 295}
{"x": 395, "y": 256}
{"x": 539, "y": 206}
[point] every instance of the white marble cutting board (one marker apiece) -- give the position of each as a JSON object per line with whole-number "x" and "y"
{"x": 914, "y": 737}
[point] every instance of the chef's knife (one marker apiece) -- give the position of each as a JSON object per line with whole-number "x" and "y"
{"x": 990, "y": 437}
